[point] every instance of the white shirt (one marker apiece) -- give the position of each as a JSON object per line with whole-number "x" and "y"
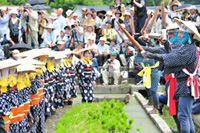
{"x": 103, "y": 49}
{"x": 69, "y": 23}
{"x": 98, "y": 22}
{"x": 62, "y": 21}
{"x": 57, "y": 27}
{"x": 116, "y": 66}
{"x": 159, "y": 24}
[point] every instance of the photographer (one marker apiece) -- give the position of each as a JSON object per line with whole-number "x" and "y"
{"x": 31, "y": 27}
{"x": 140, "y": 13}
{"x": 42, "y": 24}
{"x": 108, "y": 32}
{"x": 112, "y": 68}
{"x": 117, "y": 4}
{"x": 193, "y": 13}
{"x": 78, "y": 31}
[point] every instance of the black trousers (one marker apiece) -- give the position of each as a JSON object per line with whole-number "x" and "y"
{"x": 102, "y": 59}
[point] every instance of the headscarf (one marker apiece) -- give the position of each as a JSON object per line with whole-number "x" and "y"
{"x": 186, "y": 37}
{"x": 175, "y": 38}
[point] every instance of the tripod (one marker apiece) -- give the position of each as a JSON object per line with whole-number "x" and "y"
{"x": 72, "y": 40}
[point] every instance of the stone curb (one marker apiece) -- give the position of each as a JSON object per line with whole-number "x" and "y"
{"x": 118, "y": 89}
{"x": 159, "y": 122}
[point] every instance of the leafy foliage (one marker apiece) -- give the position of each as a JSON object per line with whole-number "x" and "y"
{"x": 102, "y": 117}
{"x": 3, "y": 2}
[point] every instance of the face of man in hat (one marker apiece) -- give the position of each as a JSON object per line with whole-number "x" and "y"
{"x": 171, "y": 35}
{"x": 123, "y": 8}
{"x": 90, "y": 28}
{"x": 127, "y": 17}
{"x": 101, "y": 42}
{"x": 62, "y": 34}
{"x": 49, "y": 30}
{"x": 84, "y": 12}
{"x": 112, "y": 57}
{"x": 109, "y": 25}
{"x": 60, "y": 46}
{"x": 192, "y": 11}
{"x": 91, "y": 41}
{"x": 14, "y": 15}
{"x": 174, "y": 7}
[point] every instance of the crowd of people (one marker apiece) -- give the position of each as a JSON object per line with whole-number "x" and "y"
{"x": 79, "y": 44}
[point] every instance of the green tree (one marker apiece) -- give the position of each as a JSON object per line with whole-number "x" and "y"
{"x": 3, "y": 2}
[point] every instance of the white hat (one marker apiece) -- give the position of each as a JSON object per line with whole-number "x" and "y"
{"x": 132, "y": 9}
{"x": 193, "y": 7}
{"x": 13, "y": 11}
{"x": 69, "y": 12}
{"x": 16, "y": 51}
{"x": 172, "y": 27}
{"x": 189, "y": 27}
{"x": 50, "y": 26}
{"x": 69, "y": 52}
{"x": 40, "y": 53}
{"x": 30, "y": 61}
{"x": 109, "y": 13}
{"x": 85, "y": 49}
{"x": 3, "y": 8}
{"x": 27, "y": 53}
{"x": 26, "y": 68}
{"x": 84, "y": 8}
{"x": 9, "y": 63}
{"x": 127, "y": 13}
{"x": 75, "y": 14}
{"x": 102, "y": 39}
{"x": 78, "y": 20}
{"x": 123, "y": 25}
{"x": 60, "y": 55}
{"x": 42, "y": 11}
{"x": 53, "y": 16}
{"x": 60, "y": 42}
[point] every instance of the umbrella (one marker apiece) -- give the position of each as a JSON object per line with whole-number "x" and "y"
{"x": 39, "y": 7}
{"x": 183, "y": 7}
{"x": 20, "y": 46}
{"x": 35, "y": 2}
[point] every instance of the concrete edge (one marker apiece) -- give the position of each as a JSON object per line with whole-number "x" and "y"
{"x": 159, "y": 122}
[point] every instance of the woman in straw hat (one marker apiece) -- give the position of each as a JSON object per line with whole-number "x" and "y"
{"x": 86, "y": 76}
{"x": 183, "y": 63}
{"x": 55, "y": 23}
{"x": 49, "y": 37}
{"x": 70, "y": 71}
{"x": 5, "y": 98}
{"x": 89, "y": 33}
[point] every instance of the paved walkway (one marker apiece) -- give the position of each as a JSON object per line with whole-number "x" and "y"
{"x": 132, "y": 109}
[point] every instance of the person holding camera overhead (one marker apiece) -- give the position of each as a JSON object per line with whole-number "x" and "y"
{"x": 108, "y": 32}
{"x": 140, "y": 13}
{"x": 112, "y": 68}
{"x": 31, "y": 27}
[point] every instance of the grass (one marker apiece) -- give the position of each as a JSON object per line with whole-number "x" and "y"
{"x": 126, "y": 85}
{"x": 168, "y": 119}
{"x": 102, "y": 117}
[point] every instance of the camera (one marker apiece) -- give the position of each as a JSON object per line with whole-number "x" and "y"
{"x": 73, "y": 26}
{"x": 109, "y": 61}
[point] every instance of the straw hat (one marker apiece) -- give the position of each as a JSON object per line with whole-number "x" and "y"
{"x": 172, "y": 27}
{"x": 60, "y": 42}
{"x": 90, "y": 26}
{"x": 50, "y": 26}
{"x": 189, "y": 27}
{"x": 69, "y": 52}
{"x": 69, "y": 12}
{"x": 53, "y": 16}
{"x": 109, "y": 13}
{"x": 27, "y": 5}
{"x": 127, "y": 14}
{"x": 13, "y": 11}
{"x": 30, "y": 61}
{"x": 60, "y": 55}
{"x": 102, "y": 39}
{"x": 85, "y": 49}
{"x": 9, "y": 63}
{"x": 16, "y": 51}
{"x": 40, "y": 53}
{"x": 26, "y": 68}
{"x": 27, "y": 53}
{"x": 84, "y": 8}
{"x": 174, "y": 4}
{"x": 75, "y": 14}
{"x": 132, "y": 9}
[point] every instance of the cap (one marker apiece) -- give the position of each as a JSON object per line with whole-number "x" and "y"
{"x": 89, "y": 12}
{"x": 108, "y": 21}
{"x": 102, "y": 39}
{"x": 193, "y": 7}
{"x": 114, "y": 53}
{"x": 27, "y": 5}
{"x": 84, "y": 8}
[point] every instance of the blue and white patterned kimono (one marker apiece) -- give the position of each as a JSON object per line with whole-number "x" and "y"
{"x": 86, "y": 75}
